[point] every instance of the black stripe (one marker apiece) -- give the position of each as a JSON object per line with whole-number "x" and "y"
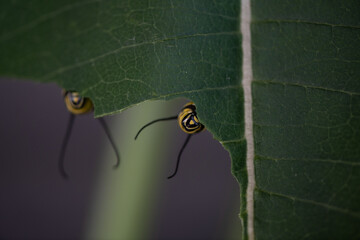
{"x": 191, "y": 107}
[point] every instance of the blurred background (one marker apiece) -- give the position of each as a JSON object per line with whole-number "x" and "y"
{"x": 135, "y": 201}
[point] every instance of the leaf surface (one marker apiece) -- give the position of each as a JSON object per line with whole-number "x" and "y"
{"x": 121, "y": 53}
{"x": 306, "y": 90}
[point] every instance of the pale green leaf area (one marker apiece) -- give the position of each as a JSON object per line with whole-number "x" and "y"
{"x": 306, "y": 65}
{"x": 128, "y": 211}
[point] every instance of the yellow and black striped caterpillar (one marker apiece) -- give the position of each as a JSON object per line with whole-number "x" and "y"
{"x": 76, "y": 105}
{"x": 188, "y": 122}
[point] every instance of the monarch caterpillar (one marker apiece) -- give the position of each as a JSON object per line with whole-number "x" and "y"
{"x": 188, "y": 122}
{"x": 76, "y": 105}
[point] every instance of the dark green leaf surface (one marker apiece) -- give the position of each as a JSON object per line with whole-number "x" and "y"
{"x": 306, "y": 90}
{"x": 121, "y": 53}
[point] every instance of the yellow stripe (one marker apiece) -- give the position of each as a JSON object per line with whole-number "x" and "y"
{"x": 87, "y": 107}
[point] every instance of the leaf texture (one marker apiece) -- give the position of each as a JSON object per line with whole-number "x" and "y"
{"x": 121, "y": 53}
{"x": 306, "y": 90}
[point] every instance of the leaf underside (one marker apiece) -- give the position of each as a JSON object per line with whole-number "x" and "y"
{"x": 306, "y": 92}
{"x": 121, "y": 53}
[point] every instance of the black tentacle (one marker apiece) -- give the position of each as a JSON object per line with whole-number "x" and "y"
{"x": 106, "y": 129}
{"x": 64, "y": 145}
{"x": 179, "y": 156}
{"x": 157, "y": 120}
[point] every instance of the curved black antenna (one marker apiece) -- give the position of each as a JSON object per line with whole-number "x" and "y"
{"x": 64, "y": 145}
{"x": 179, "y": 156}
{"x": 157, "y": 120}
{"x": 106, "y": 129}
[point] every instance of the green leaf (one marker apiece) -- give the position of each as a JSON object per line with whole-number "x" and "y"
{"x": 121, "y": 53}
{"x": 306, "y": 99}
{"x": 306, "y": 91}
